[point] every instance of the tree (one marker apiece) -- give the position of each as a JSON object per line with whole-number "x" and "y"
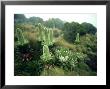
{"x": 19, "y": 18}
{"x": 54, "y": 23}
{"x": 35, "y": 20}
{"x": 89, "y": 28}
{"x": 71, "y": 30}
{"x": 89, "y": 41}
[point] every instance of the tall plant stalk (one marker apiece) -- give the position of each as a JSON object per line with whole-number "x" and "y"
{"x": 21, "y": 39}
{"x": 46, "y": 37}
{"x": 77, "y": 38}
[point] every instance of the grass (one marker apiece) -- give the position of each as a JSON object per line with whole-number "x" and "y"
{"x": 56, "y": 71}
{"x": 61, "y": 42}
{"x": 31, "y": 36}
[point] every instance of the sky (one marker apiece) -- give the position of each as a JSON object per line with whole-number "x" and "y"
{"x": 77, "y": 17}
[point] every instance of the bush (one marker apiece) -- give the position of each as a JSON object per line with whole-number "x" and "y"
{"x": 69, "y": 59}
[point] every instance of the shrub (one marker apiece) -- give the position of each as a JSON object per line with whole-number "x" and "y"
{"x": 68, "y": 58}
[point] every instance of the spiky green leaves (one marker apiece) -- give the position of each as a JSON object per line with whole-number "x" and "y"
{"x": 46, "y": 54}
{"x": 21, "y": 39}
{"x": 77, "y": 38}
{"x": 45, "y": 35}
{"x": 67, "y": 56}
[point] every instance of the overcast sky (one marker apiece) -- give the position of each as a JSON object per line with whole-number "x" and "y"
{"x": 80, "y": 18}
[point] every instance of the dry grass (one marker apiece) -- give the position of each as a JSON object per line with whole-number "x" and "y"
{"x": 61, "y": 42}
{"x": 27, "y": 27}
{"x": 31, "y": 36}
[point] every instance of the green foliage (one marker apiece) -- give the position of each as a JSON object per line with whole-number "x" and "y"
{"x": 19, "y": 18}
{"x": 35, "y": 20}
{"x": 50, "y": 52}
{"x": 88, "y": 46}
{"x": 47, "y": 39}
{"x": 68, "y": 58}
{"x": 89, "y": 28}
{"x": 45, "y": 35}
{"x": 20, "y": 37}
{"x": 53, "y": 72}
{"x": 54, "y": 23}
{"x": 63, "y": 54}
{"x": 46, "y": 57}
{"x": 71, "y": 30}
{"x": 77, "y": 38}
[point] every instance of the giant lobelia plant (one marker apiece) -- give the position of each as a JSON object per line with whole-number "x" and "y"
{"x": 45, "y": 35}
{"x": 46, "y": 38}
{"x": 77, "y": 38}
{"x": 21, "y": 39}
